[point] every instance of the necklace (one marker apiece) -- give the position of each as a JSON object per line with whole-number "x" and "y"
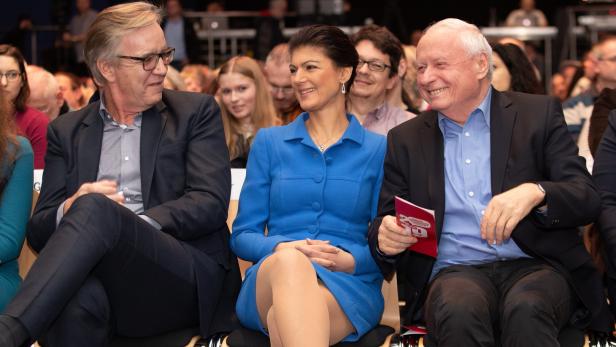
{"x": 322, "y": 145}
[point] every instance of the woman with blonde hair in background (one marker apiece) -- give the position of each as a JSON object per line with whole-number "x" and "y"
{"x": 246, "y": 105}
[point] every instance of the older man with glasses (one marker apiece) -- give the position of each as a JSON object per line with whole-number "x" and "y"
{"x": 130, "y": 225}
{"x": 380, "y": 57}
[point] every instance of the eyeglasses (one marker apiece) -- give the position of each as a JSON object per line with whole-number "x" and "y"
{"x": 284, "y": 90}
{"x": 610, "y": 59}
{"x": 10, "y": 75}
{"x": 373, "y": 65}
{"x": 151, "y": 60}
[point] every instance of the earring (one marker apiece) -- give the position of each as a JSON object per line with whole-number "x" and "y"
{"x": 343, "y": 88}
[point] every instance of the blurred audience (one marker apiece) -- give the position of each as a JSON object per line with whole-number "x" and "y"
{"x": 16, "y": 164}
{"x": 577, "y": 110}
{"x": 558, "y": 87}
{"x": 269, "y": 29}
{"x": 77, "y": 29}
{"x": 278, "y": 76}
{"x": 246, "y": 106}
{"x": 513, "y": 71}
{"x": 527, "y": 16}
{"x": 71, "y": 89}
{"x": 180, "y": 34}
{"x": 194, "y": 78}
{"x": 45, "y": 93}
{"x": 380, "y": 58}
{"x": 31, "y": 122}
{"x": 173, "y": 79}
{"x": 585, "y": 82}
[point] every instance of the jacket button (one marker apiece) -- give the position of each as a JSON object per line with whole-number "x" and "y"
{"x": 316, "y": 206}
{"x": 318, "y": 178}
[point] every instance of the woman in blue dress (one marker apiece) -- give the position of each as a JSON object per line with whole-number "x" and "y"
{"x": 16, "y": 165}
{"x": 310, "y": 193}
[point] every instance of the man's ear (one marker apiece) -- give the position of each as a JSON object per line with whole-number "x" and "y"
{"x": 483, "y": 65}
{"x": 402, "y": 68}
{"x": 107, "y": 69}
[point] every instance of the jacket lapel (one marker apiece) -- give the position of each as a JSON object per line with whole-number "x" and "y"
{"x": 502, "y": 120}
{"x": 152, "y": 125}
{"x": 89, "y": 146}
{"x": 433, "y": 152}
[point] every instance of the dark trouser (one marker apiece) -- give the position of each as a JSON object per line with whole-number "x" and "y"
{"x": 105, "y": 271}
{"x": 522, "y": 302}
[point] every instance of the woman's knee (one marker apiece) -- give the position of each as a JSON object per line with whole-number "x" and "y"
{"x": 288, "y": 262}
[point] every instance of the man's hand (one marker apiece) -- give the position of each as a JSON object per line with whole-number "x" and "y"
{"x": 507, "y": 209}
{"x": 106, "y": 187}
{"x": 394, "y": 239}
{"x": 328, "y": 256}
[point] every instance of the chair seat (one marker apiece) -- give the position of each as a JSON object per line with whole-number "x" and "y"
{"x": 177, "y": 338}
{"x": 244, "y": 337}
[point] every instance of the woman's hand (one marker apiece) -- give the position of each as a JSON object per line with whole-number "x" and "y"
{"x": 328, "y": 256}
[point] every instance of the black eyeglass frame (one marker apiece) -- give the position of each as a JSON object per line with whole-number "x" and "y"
{"x": 166, "y": 56}
{"x": 373, "y": 65}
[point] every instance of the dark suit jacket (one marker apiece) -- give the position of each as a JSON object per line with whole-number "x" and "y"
{"x": 185, "y": 182}
{"x": 529, "y": 142}
{"x": 604, "y": 174}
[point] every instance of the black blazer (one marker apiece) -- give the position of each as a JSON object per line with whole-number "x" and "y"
{"x": 604, "y": 174}
{"x": 185, "y": 180}
{"x": 529, "y": 142}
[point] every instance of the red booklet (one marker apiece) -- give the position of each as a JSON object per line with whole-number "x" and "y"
{"x": 421, "y": 223}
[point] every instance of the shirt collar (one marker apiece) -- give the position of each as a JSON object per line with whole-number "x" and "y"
{"x": 483, "y": 109}
{"x": 296, "y": 130}
{"x": 107, "y": 119}
{"x": 378, "y": 112}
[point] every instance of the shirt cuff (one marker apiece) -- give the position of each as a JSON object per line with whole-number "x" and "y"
{"x": 60, "y": 213}
{"x": 384, "y": 257}
{"x": 151, "y": 221}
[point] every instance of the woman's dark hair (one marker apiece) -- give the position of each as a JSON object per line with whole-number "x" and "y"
{"x": 8, "y": 141}
{"x": 523, "y": 76}
{"x": 24, "y": 91}
{"x": 334, "y": 42}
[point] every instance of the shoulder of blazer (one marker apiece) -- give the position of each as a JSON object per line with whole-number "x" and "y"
{"x": 87, "y": 115}
{"x": 184, "y": 102}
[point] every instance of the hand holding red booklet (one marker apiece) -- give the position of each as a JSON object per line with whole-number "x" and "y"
{"x": 421, "y": 223}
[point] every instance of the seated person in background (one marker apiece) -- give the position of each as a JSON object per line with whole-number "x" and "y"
{"x": 508, "y": 191}
{"x": 313, "y": 184}
{"x": 130, "y": 225}
{"x": 173, "y": 80}
{"x": 194, "y": 78}
{"x": 45, "y": 93}
{"x": 180, "y": 34}
{"x": 16, "y": 160}
{"x": 558, "y": 87}
{"x": 526, "y": 16}
{"x": 278, "y": 76}
{"x": 578, "y": 109}
{"x": 513, "y": 71}
{"x": 31, "y": 123}
{"x": 246, "y": 106}
{"x": 71, "y": 89}
{"x": 380, "y": 57}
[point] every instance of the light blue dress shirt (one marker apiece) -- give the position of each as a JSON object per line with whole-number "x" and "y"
{"x": 467, "y": 193}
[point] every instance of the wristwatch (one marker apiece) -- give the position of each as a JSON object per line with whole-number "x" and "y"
{"x": 540, "y": 187}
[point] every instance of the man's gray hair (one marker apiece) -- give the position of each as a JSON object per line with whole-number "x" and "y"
{"x": 470, "y": 36}
{"x": 110, "y": 26}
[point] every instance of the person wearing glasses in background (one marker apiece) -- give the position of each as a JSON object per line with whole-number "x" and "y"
{"x": 278, "y": 76}
{"x": 130, "y": 225}
{"x": 380, "y": 57}
{"x": 31, "y": 122}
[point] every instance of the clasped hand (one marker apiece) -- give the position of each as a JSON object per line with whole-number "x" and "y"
{"x": 322, "y": 253}
{"x": 106, "y": 187}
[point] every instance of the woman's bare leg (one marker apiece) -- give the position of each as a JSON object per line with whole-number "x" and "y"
{"x": 339, "y": 324}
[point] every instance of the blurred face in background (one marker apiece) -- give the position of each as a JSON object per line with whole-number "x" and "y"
{"x": 11, "y": 80}
{"x": 279, "y": 80}
{"x": 501, "y": 78}
{"x": 238, "y": 94}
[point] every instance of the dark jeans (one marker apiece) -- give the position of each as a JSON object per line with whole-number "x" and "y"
{"x": 522, "y": 302}
{"x": 105, "y": 271}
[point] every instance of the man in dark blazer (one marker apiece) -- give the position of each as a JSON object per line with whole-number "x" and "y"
{"x": 131, "y": 220}
{"x": 508, "y": 190}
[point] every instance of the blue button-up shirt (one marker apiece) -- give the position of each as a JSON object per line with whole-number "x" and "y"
{"x": 467, "y": 193}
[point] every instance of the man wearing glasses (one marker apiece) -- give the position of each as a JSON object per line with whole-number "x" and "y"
{"x": 279, "y": 78}
{"x": 131, "y": 221}
{"x": 578, "y": 109}
{"x": 380, "y": 58}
